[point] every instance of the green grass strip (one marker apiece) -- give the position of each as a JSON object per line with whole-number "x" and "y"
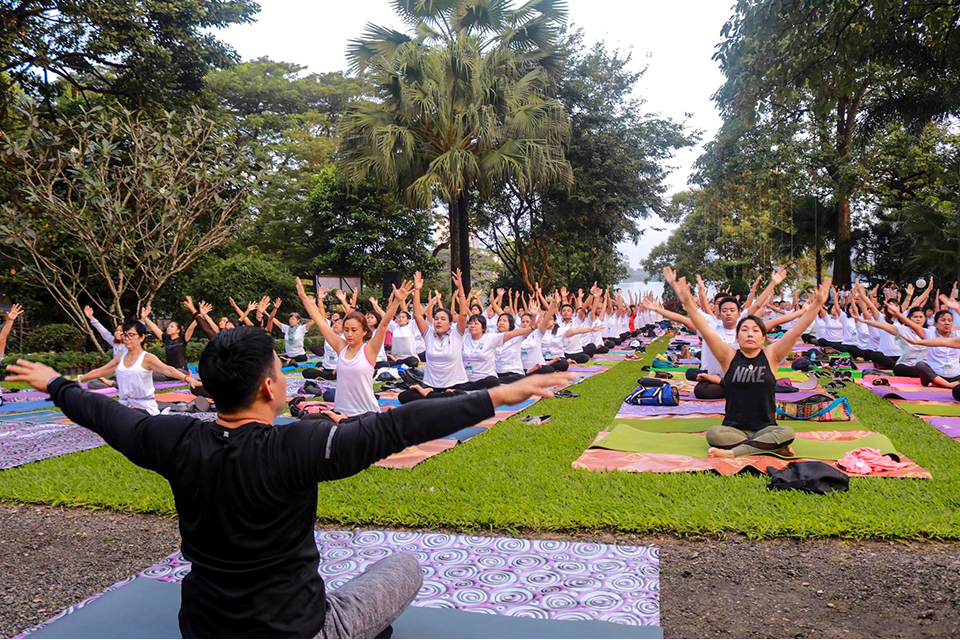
{"x": 518, "y": 479}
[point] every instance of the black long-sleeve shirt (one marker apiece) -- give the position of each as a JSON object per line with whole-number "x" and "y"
{"x": 247, "y": 498}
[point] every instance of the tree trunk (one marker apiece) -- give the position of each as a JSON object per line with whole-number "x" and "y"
{"x": 841, "y": 254}
{"x": 454, "y": 237}
{"x": 464, "y": 214}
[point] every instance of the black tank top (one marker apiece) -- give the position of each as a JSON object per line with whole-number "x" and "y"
{"x": 751, "y": 393}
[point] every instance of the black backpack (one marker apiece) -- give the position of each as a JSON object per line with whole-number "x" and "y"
{"x": 810, "y": 476}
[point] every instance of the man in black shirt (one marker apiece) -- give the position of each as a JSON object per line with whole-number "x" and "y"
{"x": 246, "y": 490}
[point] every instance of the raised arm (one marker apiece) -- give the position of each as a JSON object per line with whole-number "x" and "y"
{"x": 721, "y": 351}
{"x": 778, "y": 350}
{"x": 461, "y": 299}
{"x": 100, "y": 329}
{"x": 347, "y": 307}
{"x": 145, "y": 319}
{"x": 192, "y": 308}
{"x": 652, "y": 305}
{"x": 205, "y": 309}
{"x": 188, "y": 335}
{"x": 319, "y": 316}
{"x": 701, "y": 295}
{"x": 376, "y": 306}
{"x": 761, "y": 302}
{"x": 953, "y": 343}
{"x": 783, "y": 319}
{"x": 753, "y": 294}
{"x": 15, "y": 311}
{"x": 398, "y": 299}
{"x": 418, "y": 313}
{"x": 273, "y": 314}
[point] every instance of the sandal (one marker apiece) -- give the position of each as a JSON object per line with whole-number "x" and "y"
{"x": 834, "y": 386}
{"x": 881, "y": 382}
{"x": 565, "y": 394}
{"x": 663, "y": 375}
{"x": 535, "y": 420}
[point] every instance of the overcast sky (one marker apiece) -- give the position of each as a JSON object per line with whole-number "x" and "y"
{"x": 675, "y": 40}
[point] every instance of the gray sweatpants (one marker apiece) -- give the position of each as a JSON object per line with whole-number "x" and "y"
{"x": 370, "y": 603}
{"x": 745, "y": 443}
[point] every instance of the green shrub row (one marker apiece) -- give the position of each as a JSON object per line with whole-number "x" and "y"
{"x": 63, "y": 360}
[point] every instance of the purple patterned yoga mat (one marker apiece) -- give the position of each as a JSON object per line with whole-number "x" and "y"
{"x": 585, "y": 369}
{"x": 935, "y": 396}
{"x": 505, "y": 576}
{"x": 683, "y": 409}
{"x": 23, "y": 442}
{"x": 949, "y": 427}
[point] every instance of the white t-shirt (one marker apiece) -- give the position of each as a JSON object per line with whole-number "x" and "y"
{"x": 530, "y": 353}
{"x": 552, "y": 345}
{"x": 945, "y": 361}
{"x": 889, "y": 343}
{"x": 404, "y": 340}
{"x": 479, "y": 356}
{"x": 832, "y": 328}
{"x": 708, "y": 361}
{"x": 849, "y": 330}
{"x": 444, "y": 358}
{"x": 910, "y": 354}
{"x": 508, "y": 358}
{"x": 572, "y": 344}
{"x": 875, "y": 334}
{"x": 293, "y": 339}
{"x": 329, "y": 356}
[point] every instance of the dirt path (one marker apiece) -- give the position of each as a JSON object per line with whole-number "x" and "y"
{"x": 55, "y": 557}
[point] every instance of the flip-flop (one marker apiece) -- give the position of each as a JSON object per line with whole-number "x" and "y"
{"x": 535, "y": 420}
{"x": 834, "y": 386}
{"x": 563, "y": 393}
{"x": 881, "y": 382}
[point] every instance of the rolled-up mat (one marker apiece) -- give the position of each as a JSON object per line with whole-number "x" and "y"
{"x": 625, "y": 437}
{"x": 920, "y": 409}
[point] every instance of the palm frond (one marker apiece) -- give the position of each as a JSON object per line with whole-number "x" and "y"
{"x": 375, "y": 42}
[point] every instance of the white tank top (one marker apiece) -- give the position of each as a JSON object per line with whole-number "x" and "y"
{"x": 355, "y": 384}
{"x": 135, "y": 386}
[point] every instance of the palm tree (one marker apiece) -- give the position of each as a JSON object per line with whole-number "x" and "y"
{"x": 465, "y": 105}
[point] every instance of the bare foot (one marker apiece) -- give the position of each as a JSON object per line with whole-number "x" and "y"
{"x": 714, "y": 452}
{"x": 787, "y": 451}
{"x": 534, "y": 368}
{"x": 420, "y": 390}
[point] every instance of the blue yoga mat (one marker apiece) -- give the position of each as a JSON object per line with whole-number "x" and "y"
{"x": 20, "y": 407}
{"x": 465, "y": 434}
{"x": 36, "y": 416}
{"x": 517, "y": 407}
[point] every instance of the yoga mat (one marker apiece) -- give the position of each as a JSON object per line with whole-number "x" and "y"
{"x": 175, "y": 397}
{"x": 20, "y": 396}
{"x": 900, "y": 394}
{"x": 942, "y": 410}
{"x": 465, "y": 434}
{"x": 683, "y": 409}
{"x": 23, "y": 442}
{"x": 701, "y": 424}
{"x": 625, "y": 437}
{"x": 28, "y": 405}
{"x": 913, "y": 382}
{"x": 584, "y": 368}
{"x": 37, "y": 417}
{"x": 949, "y": 427}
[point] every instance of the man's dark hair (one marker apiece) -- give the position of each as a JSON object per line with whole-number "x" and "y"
{"x": 725, "y": 299}
{"x": 233, "y": 365}
{"x": 567, "y": 304}
{"x": 940, "y": 314}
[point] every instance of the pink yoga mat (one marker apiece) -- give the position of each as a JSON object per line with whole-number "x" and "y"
{"x": 934, "y": 396}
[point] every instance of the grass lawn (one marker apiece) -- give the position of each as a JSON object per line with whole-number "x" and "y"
{"x": 518, "y": 478}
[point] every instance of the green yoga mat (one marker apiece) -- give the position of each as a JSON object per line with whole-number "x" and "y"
{"x": 627, "y": 438}
{"x": 939, "y": 410}
{"x": 696, "y": 425}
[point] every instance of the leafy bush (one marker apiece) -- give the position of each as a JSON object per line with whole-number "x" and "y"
{"x": 63, "y": 360}
{"x": 55, "y": 337}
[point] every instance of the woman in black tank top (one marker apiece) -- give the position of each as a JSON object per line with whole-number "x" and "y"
{"x": 750, "y": 425}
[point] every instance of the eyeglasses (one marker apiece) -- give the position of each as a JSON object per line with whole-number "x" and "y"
{"x": 130, "y": 335}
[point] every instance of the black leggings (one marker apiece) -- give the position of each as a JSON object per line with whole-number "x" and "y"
{"x": 603, "y": 349}
{"x": 920, "y": 370}
{"x": 327, "y": 374}
{"x": 709, "y": 391}
{"x": 507, "y": 378}
{"x": 808, "y": 339}
{"x": 691, "y": 374}
{"x": 381, "y": 364}
{"x": 411, "y": 395}
{"x": 853, "y": 350}
{"x": 579, "y": 358}
{"x": 956, "y": 394}
{"x": 412, "y": 361}
{"x": 880, "y": 361}
{"x": 560, "y": 364}
{"x": 545, "y": 368}
{"x": 300, "y": 358}
{"x": 589, "y": 348}
{"x": 823, "y": 342}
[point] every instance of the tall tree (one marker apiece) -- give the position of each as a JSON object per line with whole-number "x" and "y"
{"x": 147, "y": 53}
{"x": 111, "y": 205}
{"x": 618, "y": 154}
{"x": 464, "y": 104}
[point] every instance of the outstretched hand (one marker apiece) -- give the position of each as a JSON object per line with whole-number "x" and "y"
{"x": 33, "y": 373}
{"x": 16, "y": 310}
{"x": 530, "y": 387}
{"x": 88, "y": 311}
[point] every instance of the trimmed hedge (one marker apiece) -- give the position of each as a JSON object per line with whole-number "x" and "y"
{"x": 63, "y": 361}
{"x": 55, "y": 337}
